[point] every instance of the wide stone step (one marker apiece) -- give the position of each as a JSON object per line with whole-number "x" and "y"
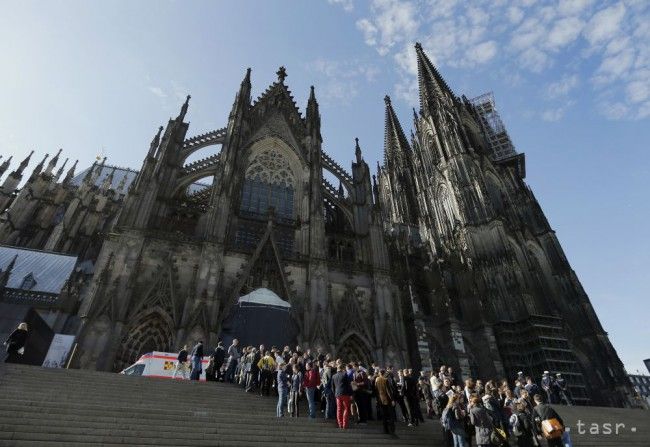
{"x": 296, "y": 426}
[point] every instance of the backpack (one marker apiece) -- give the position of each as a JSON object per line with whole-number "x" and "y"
{"x": 440, "y": 400}
{"x": 515, "y": 425}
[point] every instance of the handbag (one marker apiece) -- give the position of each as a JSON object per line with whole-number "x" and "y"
{"x": 498, "y": 437}
{"x": 552, "y": 429}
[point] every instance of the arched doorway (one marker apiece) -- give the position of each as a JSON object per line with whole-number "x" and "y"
{"x": 354, "y": 349}
{"x": 151, "y": 331}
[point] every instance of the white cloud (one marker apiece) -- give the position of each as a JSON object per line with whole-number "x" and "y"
{"x": 482, "y": 52}
{"x": 562, "y": 87}
{"x": 515, "y": 15}
{"x": 369, "y": 31}
{"x": 605, "y": 23}
{"x": 607, "y": 42}
{"x": 393, "y": 21}
{"x": 564, "y": 32}
{"x": 157, "y": 91}
{"x": 557, "y": 113}
{"x": 637, "y": 91}
{"x": 347, "y": 5}
{"x": 341, "y": 79}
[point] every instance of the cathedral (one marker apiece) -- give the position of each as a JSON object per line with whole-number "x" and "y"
{"x": 443, "y": 256}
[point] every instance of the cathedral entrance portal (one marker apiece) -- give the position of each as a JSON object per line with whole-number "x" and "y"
{"x": 354, "y": 349}
{"x": 151, "y": 332}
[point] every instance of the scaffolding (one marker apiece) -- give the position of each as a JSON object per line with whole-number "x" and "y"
{"x": 501, "y": 146}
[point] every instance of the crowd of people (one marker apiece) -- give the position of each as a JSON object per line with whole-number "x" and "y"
{"x": 490, "y": 413}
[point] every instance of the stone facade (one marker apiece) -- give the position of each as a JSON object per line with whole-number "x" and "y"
{"x": 444, "y": 257}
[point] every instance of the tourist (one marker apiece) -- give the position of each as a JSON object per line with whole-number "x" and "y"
{"x": 411, "y": 397}
{"x": 386, "y": 401}
{"x": 266, "y": 366}
{"x": 341, "y": 385}
{"x": 233, "y": 359}
{"x": 311, "y": 382}
{"x": 481, "y": 421}
{"x": 326, "y": 382}
{"x": 283, "y": 389}
{"x": 181, "y": 364}
{"x": 521, "y": 426}
{"x": 531, "y": 387}
{"x": 425, "y": 391}
{"x": 362, "y": 392}
{"x": 219, "y": 356}
{"x": 295, "y": 391}
{"x": 15, "y": 343}
{"x": 439, "y": 398}
{"x": 197, "y": 359}
{"x": 545, "y": 412}
{"x": 453, "y": 420}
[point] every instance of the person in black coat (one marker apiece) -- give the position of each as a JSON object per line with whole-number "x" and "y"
{"x": 219, "y": 357}
{"x": 543, "y": 412}
{"x": 16, "y": 342}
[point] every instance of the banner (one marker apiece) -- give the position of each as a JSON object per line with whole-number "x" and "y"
{"x": 58, "y": 352}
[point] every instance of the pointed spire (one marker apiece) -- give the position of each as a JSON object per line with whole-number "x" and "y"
{"x": 341, "y": 191}
{"x": 53, "y": 162}
{"x": 60, "y": 170}
{"x": 186, "y": 104}
{"x": 108, "y": 181}
{"x": 23, "y": 164}
{"x": 5, "y": 165}
{"x": 395, "y": 142}
{"x": 312, "y": 115}
{"x": 89, "y": 175}
{"x": 431, "y": 83}
{"x": 70, "y": 174}
{"x": 154, "y": 143}
{"x": 6, "y": 273}
{"x": 357, "y": 150}
{"x": 39, "y": 167}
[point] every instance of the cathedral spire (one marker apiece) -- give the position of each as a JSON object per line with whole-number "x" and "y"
{"x": 39, "y": 167}
{"x": 70, "y": 173}
{"x": 23, "y": 164}
{"x": 108, "y": 181}
{"x": 186, "y": 104}
{"x": 89, "y": 175}
{"x": 60, "y": 170}
{"x": 53, "y": 161}
{"x": 313, "y": 114}
{"x": 357, "y": 150}
{"x": 5, "y": 165}
{"x": 432, "y": 85}
{"x": 395, "y": 142}
{"x": 5, "y": 274}
{"x": 155, "y": 142}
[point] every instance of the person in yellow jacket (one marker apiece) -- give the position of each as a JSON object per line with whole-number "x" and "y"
{"x": 266, "y": 366}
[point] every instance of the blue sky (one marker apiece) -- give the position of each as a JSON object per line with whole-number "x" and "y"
{"x": 571, "y": 80}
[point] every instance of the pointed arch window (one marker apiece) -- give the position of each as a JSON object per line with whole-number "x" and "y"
{"x": 268, "y": 182}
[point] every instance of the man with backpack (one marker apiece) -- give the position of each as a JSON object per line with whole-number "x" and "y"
{"x": 266, "y": 366}
{"x": 521, "y": 426}
{"x": 552, "y": 423}
{"x": 197, "y": 359}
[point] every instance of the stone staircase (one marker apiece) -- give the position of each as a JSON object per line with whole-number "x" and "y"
{"x": 54, "y": 407}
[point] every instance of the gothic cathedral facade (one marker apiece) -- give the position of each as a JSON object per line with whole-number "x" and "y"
{"x": 443, "y": 257}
